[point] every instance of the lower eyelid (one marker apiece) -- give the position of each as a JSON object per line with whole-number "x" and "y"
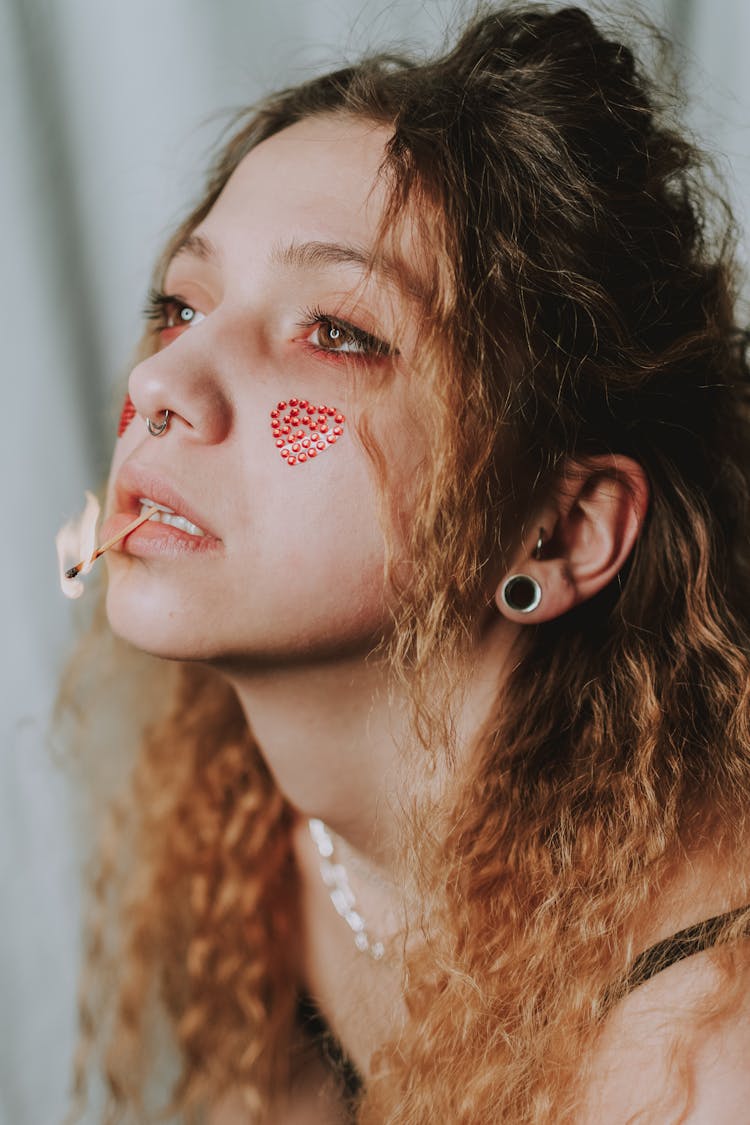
{"x": 339, "y": 357}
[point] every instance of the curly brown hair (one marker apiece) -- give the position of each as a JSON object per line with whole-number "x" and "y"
{"x": 582, "y": 302}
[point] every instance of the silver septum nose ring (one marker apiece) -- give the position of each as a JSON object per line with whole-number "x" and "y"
{"x": 156, "y": 429}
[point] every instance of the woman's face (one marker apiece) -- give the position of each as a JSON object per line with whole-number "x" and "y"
{"x": 268, "y": 303}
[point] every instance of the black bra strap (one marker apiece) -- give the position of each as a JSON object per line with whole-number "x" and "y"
{"x": 693, "y": 939}
{"x": 311, "y": 1018}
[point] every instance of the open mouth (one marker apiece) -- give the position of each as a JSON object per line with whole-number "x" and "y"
{"x": 168, "y": 515}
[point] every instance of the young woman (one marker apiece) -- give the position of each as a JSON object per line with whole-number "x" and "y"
{"x": 444, "y": 815}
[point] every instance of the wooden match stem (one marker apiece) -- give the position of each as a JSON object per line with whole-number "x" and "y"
{"x": 74, "y": 570}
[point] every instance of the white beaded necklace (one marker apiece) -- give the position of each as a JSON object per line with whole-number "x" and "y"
{"x": 336, "y": 879}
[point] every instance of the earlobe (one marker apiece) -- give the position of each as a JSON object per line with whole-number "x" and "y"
{"x": 554, "y": 592}
{"x": 539, "y": 588}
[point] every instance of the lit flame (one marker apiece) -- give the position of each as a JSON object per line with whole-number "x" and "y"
{"x": 76, "y": 541}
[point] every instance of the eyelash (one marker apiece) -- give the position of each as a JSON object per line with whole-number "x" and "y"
{"x": 373, "y": 347}
{"x": 161, "y": 307}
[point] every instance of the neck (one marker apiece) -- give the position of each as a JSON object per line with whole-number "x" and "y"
{"x": 337, "y": 738}
{"x": 329, "y": 733}
{"x": 336, "y": 735}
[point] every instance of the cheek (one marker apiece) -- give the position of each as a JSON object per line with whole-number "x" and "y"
{"x": 127, "y": 416}
{"x": 126, "y": 443}
{"x": 303, "y": 431}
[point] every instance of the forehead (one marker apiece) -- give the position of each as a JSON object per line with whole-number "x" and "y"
{"x": 321, "y": 172}
{"x": 316, "y": 185}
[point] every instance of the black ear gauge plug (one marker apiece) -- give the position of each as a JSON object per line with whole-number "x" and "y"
{"x": 521, "y": 593}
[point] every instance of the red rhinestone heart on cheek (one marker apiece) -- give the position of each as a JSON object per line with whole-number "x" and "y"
{"x": 127, "y": 416}
{"x": 303, "y": 431}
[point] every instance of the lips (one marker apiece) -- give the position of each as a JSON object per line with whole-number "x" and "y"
{"x": 134, "y": 483}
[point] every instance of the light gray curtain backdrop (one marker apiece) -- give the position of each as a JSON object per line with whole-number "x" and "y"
{"x": 107, "y": 113}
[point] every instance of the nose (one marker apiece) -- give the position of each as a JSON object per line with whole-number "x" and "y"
{"x": 183, "y": 381}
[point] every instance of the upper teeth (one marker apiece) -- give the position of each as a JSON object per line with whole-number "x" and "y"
{"x": 168, "y": 515}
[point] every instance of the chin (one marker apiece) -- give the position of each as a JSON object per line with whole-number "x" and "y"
{"x": 148, "y": 623}
{"x": 168, "y": 644}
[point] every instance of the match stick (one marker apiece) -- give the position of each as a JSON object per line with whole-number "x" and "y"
{"x": 74, "y": 570}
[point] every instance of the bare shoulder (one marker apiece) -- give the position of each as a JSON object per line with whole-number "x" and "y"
{"x": 676, "y": 1048}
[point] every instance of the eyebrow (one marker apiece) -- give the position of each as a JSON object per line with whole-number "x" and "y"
{"x": 306, "y": 255}
{"x": 311, "y": 254}
{"x": 197, "y": 246}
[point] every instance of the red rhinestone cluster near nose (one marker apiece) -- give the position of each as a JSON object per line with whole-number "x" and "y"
{"x": 303, "y": 431}
{"x": 127, "y": 416}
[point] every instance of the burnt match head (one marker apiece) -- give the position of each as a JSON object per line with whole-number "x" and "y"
{"x": 72, "y": 573}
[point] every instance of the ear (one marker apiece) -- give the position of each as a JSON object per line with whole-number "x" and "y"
{"x": 590, "y": 525}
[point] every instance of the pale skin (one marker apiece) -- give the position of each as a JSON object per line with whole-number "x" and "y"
{"x": 290, "y": 601}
